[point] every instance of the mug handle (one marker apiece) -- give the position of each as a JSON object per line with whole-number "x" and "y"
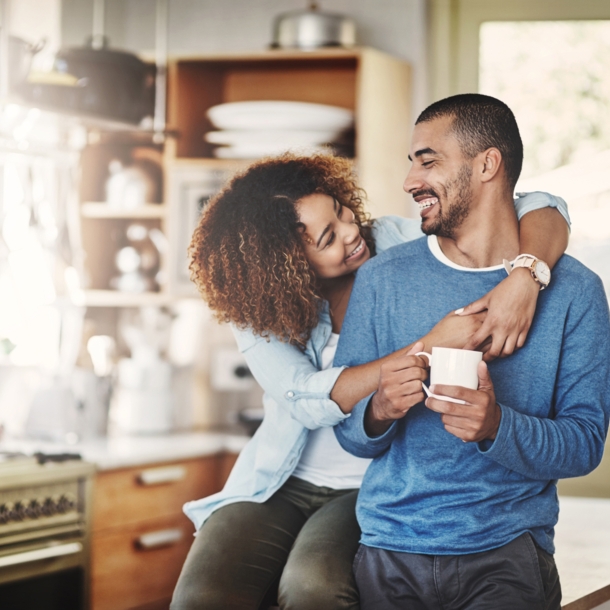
{"x": 429, "y": 356}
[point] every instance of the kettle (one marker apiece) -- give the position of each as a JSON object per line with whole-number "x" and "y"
{"x": 311, "y": 29}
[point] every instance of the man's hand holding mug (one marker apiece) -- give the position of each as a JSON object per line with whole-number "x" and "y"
{"x": 462, "y": 376}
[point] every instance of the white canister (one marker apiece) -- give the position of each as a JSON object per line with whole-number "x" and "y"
{"x": 142, "y": 402}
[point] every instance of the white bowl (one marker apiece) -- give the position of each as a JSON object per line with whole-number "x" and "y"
{"x": 273, "y": 137}
{"x": 280, "y": 115}
{"x": 256, "y": 152}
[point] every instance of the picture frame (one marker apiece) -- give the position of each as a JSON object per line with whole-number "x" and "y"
{"x": 190, "y": 187}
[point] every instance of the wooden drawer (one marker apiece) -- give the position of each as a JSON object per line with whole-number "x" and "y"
{"x": 127, "y": 575}
{"x": 131, "y": 495}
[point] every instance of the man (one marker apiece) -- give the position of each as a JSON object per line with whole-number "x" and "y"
{"x": 458, "y": 507}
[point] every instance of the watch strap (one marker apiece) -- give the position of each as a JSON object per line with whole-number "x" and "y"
{"x": 527, "y": 261}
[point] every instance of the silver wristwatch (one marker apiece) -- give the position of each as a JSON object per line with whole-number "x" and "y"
{"x": 539, "y": 269}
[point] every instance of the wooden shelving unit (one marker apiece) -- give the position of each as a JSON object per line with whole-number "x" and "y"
{"x": 375, "y": 86}
{"x": 104, "y": 227}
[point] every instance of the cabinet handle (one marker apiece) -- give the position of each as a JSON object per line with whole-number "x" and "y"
{"x": 45, "y": 553}
{"x": 166, "y": 474}
{"x": 152, "y": 540}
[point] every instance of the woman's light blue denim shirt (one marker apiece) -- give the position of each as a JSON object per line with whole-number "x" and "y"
{"x": 297, "y": 392}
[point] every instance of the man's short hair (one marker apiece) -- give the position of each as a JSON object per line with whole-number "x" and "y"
{"x": 481, "y": 122}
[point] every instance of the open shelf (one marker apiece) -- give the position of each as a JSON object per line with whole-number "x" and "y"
{"x": 375, "y": 86}
{"x": 94, "y": 209}
{"x": 197, "y": 84}
{"x": 114, "y": 298}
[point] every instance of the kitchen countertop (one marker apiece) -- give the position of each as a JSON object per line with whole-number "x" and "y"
{"x": 124, "y": 451}
{"x": 582, "y": 542}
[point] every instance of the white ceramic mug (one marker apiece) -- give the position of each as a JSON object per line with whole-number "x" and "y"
{"x": 450, "y": 366}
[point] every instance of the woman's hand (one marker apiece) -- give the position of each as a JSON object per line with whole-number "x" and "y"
{"x": 400, "y": 388}
{"x": 510, "y": 306}
{"x": 456, "y": 331}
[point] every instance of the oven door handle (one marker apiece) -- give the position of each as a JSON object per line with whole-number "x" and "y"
{"x": 48, "y": 552}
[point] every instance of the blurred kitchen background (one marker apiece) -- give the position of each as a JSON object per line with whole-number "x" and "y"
{"x": 119, "y": 119}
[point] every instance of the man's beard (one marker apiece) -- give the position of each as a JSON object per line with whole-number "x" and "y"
{"x": 458, "y": 189}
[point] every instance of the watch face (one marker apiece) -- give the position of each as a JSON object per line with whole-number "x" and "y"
{"x": 542, "y": 271}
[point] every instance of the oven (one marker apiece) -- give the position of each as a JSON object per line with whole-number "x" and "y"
{"x": 44, "y": 533}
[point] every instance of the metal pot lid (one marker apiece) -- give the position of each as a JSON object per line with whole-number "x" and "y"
{"x": 312, "y": 28}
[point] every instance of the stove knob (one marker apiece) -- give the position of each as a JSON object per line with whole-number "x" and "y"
{"x": 48, "y": 507}
{"x": 65, "y": 503}
{"x": 18, "y": 513}
{"x": 5, "y": 512}
{"x": 34, "y": 509}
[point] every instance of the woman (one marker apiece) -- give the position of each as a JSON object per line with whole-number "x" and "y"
{"x": 275, "y": 255}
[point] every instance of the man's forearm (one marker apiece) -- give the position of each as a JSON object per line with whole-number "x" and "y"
{"x": 545, "y": 449}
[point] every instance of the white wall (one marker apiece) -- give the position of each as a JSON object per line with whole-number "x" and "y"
{"x": 397, "y": 27}
{"x": 45, "y": 25}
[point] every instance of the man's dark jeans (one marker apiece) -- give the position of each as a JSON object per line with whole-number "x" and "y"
{"x": 517, "y": 576}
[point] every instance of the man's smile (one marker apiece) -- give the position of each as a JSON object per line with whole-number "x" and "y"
{"x": 425, "y": 201}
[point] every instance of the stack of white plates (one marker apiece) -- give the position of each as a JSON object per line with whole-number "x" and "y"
{"x": 257, "y": 129}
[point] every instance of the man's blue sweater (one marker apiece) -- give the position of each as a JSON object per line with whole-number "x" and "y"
{"x": 428, "y": 492}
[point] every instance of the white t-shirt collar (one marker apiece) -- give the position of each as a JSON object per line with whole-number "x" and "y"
{"x": 438, "y": 254}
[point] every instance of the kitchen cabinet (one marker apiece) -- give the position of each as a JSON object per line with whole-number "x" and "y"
{"x": 140, "y": 537}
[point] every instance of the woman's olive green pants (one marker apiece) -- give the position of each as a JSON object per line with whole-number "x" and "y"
{"x": 304, "y": 536}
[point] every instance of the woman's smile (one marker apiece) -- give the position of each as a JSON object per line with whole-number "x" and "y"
{"x": 359, "y": 250}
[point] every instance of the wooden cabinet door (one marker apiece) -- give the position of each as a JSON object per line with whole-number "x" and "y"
{"x": 140, "y": 536}
{"x": 127, "y": 571}
{"x": 131, "y": 495}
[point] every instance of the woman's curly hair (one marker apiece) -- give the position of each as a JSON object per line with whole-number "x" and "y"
{"x": 246, "y": 254}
